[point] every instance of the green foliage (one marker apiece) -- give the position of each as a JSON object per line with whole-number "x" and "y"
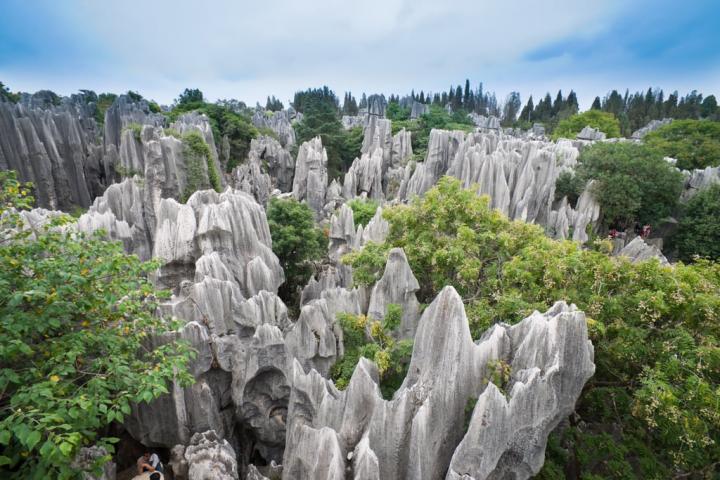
{"x": 694, "y": 143}
{"x": 154, "y": 107}
{"x": 224, "y": 122}
{"x": 321, "y": 118}
{"x": 397, "y": 113}
{"x": 438, "y": 118}
{"x": 372, "y": 339}
{"x": 75, "y": 316}
{"x": 633, "y": 182}
{"x": 363, "y": 210}
{"x": 103, "y": 103}
{"x": 569, "y": 185}
{"x": 296, "y": 241}
{"x": 136, "y": 129}
{"x": 190, "y": 96}
{"x": 603, "y": 121}
{"x": 655, "y": 329}
{"x": 7, "y": 95}
{"x": 198, "y": 160}
{"x": 699, "y": 228}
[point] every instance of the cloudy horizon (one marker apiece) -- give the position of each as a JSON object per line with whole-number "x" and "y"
{"x": 239, "y": 50}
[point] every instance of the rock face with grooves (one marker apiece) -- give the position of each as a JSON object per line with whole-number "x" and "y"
{"x": 698, "y": 179}
{"x": 278, "y": 122}
{"x": 589, "y": 133}
{"x": 311, "y": 177}
{"x": 419, "y": 433}
{"x": 397, "y": 286}
{"x": 56, "y": 148}
{"x": 210, "y": 457}
{"x": 275, "y": 159}
{"x": 637, "y": 251}
{"x": 653, "y": 125}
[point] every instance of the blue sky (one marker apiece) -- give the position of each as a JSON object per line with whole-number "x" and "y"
{"x": 248, "y": 50}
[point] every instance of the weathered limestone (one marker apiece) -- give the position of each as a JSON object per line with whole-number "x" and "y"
{"x": 698, "y": 179}
{"x": 486, "y": 123}
{"x": 397, "y": 286}
{"x": 209, "y": 457}
{"x": 419, "y": 434}
{"x": 230, "y": 224}
{"x": 123, "y": 112}
{"x": 275, "y": 159}
{"x": 638, "y": 250}
{"x": 56, "y": 148}
{"x": 442, "y": 147}
{"x": 589, "y": 133}
{"x": 311, "y": 177}
{"x": 418, "y": 109}
{"x": 278, "y": 122}
{"x": 85, "y": 460}
{"x": 653, "y": 125}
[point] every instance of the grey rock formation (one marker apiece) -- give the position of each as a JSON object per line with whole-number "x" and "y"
{"x": 378, "y": 135}
{"x": 698, "y": 179}
{"x": 365, "y": 176}
{"x": 123, "y": 112}
{"x": 653, "y": 125}
{"x": 250, "y": 177}
{"x": 418, "y": 109}
{"x": 278, "y": 122}
{"x": 419, "y": 433}
{"x": 209, "y": 457}
{"x": 442, "y": 147}
{"x": 230, "y": 224}
{"x": 56, "y": 148}
{"x": 589, "y": 133}
{"x": 401, "y": 148}
{"x": 311, "y": 177}
{"x": 85, "y": 460}
{"x": 377, "y": 105}
{"x": 638, "y": 250}
{"x": 485, "y": 123}
{"x": 275, "y": 159}
{"x": 397, "y": 286}
{"x": 353, "y": 121}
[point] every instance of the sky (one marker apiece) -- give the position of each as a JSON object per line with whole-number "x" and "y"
{"x": 251, "y": 49}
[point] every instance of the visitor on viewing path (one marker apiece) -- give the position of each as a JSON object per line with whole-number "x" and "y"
{"x": 149, "y": 463}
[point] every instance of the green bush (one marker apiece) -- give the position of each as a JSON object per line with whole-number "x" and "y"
{"x": 569, "y": 185}
{"x": 198, "y": 158}
{"x": 75, "y": 316}
{"x": 632, "y": 182}
{"x": 136, "y": 129}
{"x": 654, "y": 328}
{"x": 698, "y": 232}
{"x": 694, "y": 143}
{"x": 603, "y": 121}
{"x": 105, "y": 100}
{"x": 391, "y": 356}
{"x": 224, "y": 122}
{"x": 297, "y": 242}
{"x": 363, "y": 210}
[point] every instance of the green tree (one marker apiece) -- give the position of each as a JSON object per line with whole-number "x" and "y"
{"x": 699, "y": 228}
{"x": 603, "y": 121}
{"x": 297, "y": 242}
{"x": 190, "y": 95}
{"x": 363, "y": 210}
{"x": 651, "y": 409}
{"x": 694, "y": 143}
{"x": 75, "y": 316}
{"x": 632, "y": 182}
{"x": 7, "y": 95}
{"x": 569, "y": 185}
{"x": 201, "y": 171}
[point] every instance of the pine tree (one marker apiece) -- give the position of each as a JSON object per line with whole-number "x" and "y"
{"x": 527, "y": 111}
{"x": 559, "y": 104}
{"x": 466, "y": 97}
{"x": 571, "y": 103}
{"x": 596, "y": 104}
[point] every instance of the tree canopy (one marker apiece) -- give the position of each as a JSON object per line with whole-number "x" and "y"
{"x": 603, "y": 121}
{"x": 75, "y": 316}
{"x": 651, "y": 409}
{"x": 694, "y": 143}
{"x": 698, "y": 232}
{"x": 296, "y": 241}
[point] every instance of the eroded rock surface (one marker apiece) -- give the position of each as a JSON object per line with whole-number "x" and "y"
{"x": 419, "y": 433}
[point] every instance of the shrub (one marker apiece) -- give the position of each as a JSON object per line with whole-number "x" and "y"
{"x": 363, "y": 210}
{"x": 75, "y": 314}
{"x": 297, "y": 242}
{"x": 569, "y": 185}
{"x": 198, "y": 158}
{"x": 603, "y": 121}
{"x": 136, "y": 129}
{"x": 694, "y": 143}
{"x": 698, "y": 231}
{"x": 632, "y": 182}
